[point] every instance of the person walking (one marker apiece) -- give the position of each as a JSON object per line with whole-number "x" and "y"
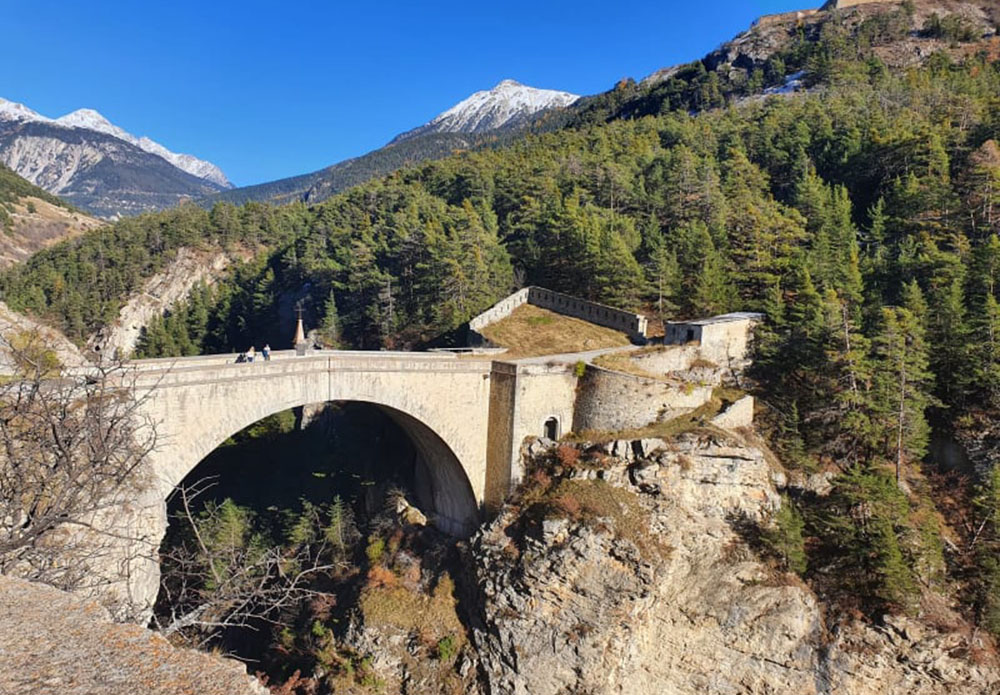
{"x": 251, "y": 353}
{"x": 266, "y": 352}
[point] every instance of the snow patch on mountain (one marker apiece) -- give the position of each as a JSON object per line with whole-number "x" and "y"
{"x": 12, "y": 111}
{"x": 89, "y": 119}
{"x": 508, "y": 103}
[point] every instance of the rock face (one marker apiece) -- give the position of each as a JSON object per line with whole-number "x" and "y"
{"x": 12, "y": 324}
{"x": 576, "y": 607}
{"x": 158, "y": 295}
{"x": 89, "y": 164}
{"x": 771, "y": 34}
{"x": 54, "y": 643}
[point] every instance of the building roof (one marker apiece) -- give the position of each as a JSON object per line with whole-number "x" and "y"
{"x": 722, "y": 318}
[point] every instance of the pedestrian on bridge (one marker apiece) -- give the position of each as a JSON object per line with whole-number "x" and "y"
{"x": 266, "y": 352}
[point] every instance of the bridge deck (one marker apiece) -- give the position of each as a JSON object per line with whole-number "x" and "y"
{"x": 181, "y": 372}
{"x": 281, "y": 355}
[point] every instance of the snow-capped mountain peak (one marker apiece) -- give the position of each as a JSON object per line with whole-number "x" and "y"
{"x": 509, "y": 102}
{"x": 92, "y": 120}
{"x": 12, "y": 111}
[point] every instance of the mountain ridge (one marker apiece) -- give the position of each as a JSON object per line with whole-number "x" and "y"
{"x": 482, "y": 117}
{"x": 97, "y": 166}
{"x": 91, "y": 119}
{"x": 505, "y": 105}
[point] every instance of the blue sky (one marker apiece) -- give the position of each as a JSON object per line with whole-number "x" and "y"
{"x": 273, "y": 89}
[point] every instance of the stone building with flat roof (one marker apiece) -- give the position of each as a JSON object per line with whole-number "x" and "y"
{"x": 724, "y": 340}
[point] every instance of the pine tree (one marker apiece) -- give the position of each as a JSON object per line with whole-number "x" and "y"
{"x": 986, "y": 543}
{"x": 664, "y": 275}
{"x": 785, "y": 537}
{"x": 950, "y": 336}
{"x": 901, "y": 387}
{"x": 330, "y": 326}
{"x": 849, "y": 373}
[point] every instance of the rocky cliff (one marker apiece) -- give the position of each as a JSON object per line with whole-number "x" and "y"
{"x": 159, "y": 294}
{"x": 18, "y": 328}
{"x": 630, "y": 575}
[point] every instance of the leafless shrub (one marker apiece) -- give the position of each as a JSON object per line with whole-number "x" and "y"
{"x": 222, "y": 574}
{"x": 73, "y": 444}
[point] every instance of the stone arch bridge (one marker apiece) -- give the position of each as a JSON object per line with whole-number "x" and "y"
{"x": 441, "y": 402}
{"x": 461, "y": 415}
{"x": 467, "y": 417}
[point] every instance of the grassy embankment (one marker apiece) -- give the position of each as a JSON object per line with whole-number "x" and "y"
{"x": 531, "y": 331}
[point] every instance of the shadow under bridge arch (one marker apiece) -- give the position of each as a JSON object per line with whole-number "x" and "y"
{"x": 442, "y": 483}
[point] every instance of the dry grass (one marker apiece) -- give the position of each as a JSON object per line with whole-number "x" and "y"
{"x": 415, "y": 612}
{"x": 531, "y": 331}
{"x": 591, "y": 501}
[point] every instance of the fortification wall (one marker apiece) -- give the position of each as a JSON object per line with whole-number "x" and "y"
{"x": 500, "y": 310}
{"x": 841, "y": 4}
{"x": 612, "y": 401}
{"x": 725, "y": 343}
{"x": 500, "y": 449}
{"x": 781, "y": 18}
{"x": 673, "y": 358}
{"x": 543, "y": 392}
{"x": 635, "y": 325}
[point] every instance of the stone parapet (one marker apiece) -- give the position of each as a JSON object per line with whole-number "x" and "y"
{"x": 630, "y": 323}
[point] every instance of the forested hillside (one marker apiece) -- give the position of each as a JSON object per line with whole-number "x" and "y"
{"x": 862, "y": 217}
{"x": 31, "y": 219}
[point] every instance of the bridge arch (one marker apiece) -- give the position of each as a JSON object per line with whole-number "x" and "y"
{"x": 449, "y": 492}
{"x": 440, "y": 402}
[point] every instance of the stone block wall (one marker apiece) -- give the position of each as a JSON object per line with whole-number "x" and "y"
{"x": 737, "y": 415}
{"x": 676, "y": 358}
{"x": 724, "y": 340}
{"x": 500, "y": 310}
{"x": 610, "y": 401}
{"x": 770, "y": 19}
{"x": 841, "y": 4}
{"x": 543, "y": 392}
{"x": 634, "y": 325}
{"x": 500, "y": 438}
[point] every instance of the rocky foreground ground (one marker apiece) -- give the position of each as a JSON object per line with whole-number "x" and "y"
{"x": 52, "y": 643}
{"x": 625, "y": 571}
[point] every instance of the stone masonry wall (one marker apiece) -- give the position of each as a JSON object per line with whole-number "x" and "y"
{"x": 635, "y": 325}
{"x": 769, "y": 19}
{"x": 500, "y": 310}
{"x": 612, "y": 401}
{"x": 543, "y": 392}
{"x": 499, "y": 440}
{"x": 725, "y": 343}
